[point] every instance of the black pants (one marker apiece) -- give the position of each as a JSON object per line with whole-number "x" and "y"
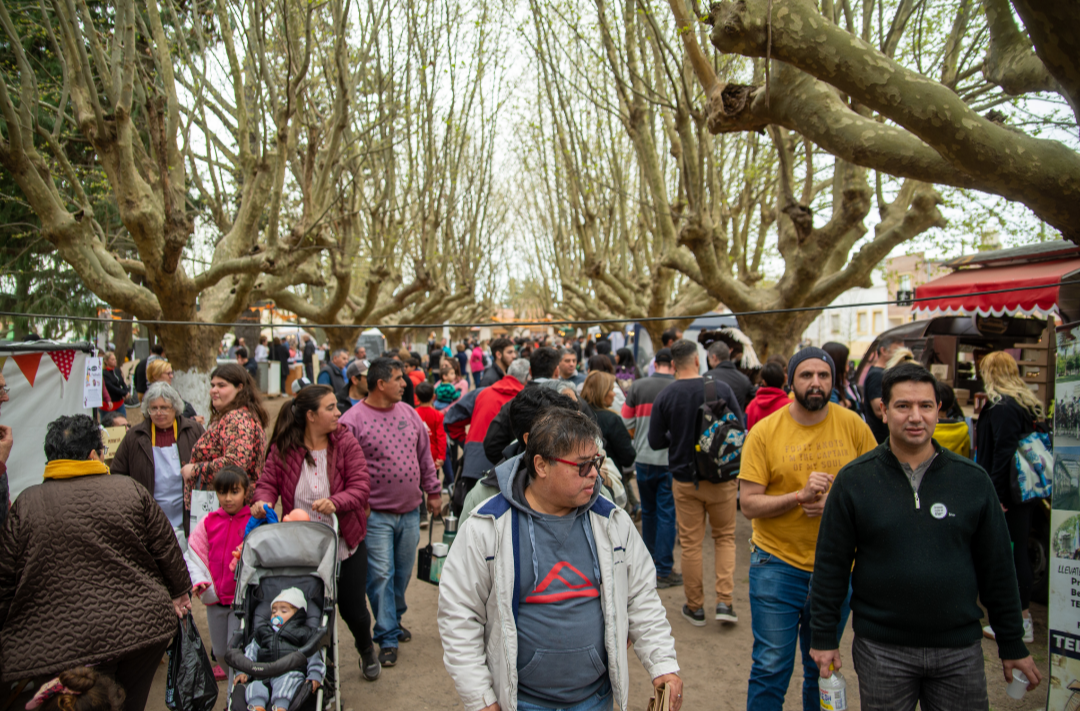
{"x": 135, "y": 673}
{"x": 1018, "y": 519}
{"x": 352, "y": 597}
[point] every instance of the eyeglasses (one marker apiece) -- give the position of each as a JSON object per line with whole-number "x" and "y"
{"x": 161, "y": 410}
{"x": 4, "y": 391}
{"x": 584, "y": 467}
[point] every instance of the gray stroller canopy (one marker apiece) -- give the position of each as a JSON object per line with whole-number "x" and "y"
{"x": 290, "y": 548}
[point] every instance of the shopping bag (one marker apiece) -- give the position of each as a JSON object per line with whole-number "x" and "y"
{"x": 1033, "y": 468}
{"x": 202, "y": 504}
{"x": 190, "y": 683}
{"x": 424, "y": 558}
{"x": 662, "y": 700}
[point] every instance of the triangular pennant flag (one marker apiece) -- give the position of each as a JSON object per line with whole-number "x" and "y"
{"x": 3, "y": 359}
{"x": 63, "y": 360}
{"x": 28, "y": 364}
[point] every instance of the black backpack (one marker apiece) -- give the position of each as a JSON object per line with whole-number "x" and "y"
{"x": 720, "y": 439}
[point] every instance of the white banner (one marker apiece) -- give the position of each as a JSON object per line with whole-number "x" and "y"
{"x": 92, "y": 383}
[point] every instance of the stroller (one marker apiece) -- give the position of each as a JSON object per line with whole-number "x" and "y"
{"x": 300, "y": 554}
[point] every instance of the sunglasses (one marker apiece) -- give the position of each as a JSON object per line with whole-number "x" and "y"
{"x": 584, "y": 467}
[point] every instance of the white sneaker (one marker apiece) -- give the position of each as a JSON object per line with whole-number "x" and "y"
{"x": 1029, "y": 632}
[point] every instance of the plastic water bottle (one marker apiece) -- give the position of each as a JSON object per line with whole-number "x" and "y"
{"x": 833, "y": 691}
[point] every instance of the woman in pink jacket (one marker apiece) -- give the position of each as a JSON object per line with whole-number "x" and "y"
{"x": 476, "y": 364}
{"x": 318, "y": 467}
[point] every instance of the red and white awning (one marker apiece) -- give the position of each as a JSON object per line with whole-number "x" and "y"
{"x": 951, "y": 295}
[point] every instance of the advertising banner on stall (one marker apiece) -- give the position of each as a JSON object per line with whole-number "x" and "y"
{"x": 1064, "y": 602}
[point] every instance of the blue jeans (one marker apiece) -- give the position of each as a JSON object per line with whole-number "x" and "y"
{"x": 780, "y": 617}
{"x": 391, "y": 547}
{"x": 600, "y": 701}
{"x": 657, "y": 515}
{"x": 448, "y": 464}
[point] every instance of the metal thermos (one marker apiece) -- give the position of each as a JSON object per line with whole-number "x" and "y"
{"x": 449, "y": 529}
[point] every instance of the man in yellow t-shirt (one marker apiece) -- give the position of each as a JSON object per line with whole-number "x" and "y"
{"x": 788, "y": 463}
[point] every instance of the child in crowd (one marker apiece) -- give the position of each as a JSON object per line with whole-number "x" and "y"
{"x": 210, "y": 551}
{"x": 952, "y": 430}
{"x": 425, "y": 394}
{"x": 79, "y": 689}
{"x": 284, "y": 633}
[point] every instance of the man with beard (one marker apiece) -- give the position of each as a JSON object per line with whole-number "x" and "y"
{"x": 673, "y": 426}
{"x": 788, "y": 464}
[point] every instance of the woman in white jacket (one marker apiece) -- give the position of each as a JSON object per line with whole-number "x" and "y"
{"x": 553, "y": 633}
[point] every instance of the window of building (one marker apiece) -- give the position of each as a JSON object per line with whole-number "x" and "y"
{"x": 905, "y": 282}
{"x": 863, "y": 321}
{"x": 879, "y": 321}
{"x": 835, "y": 323}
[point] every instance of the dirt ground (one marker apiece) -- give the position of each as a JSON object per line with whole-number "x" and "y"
{"x": 715, "y": 659}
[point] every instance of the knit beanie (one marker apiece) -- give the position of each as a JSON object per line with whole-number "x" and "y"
{"x": 807, "y": 354}
{"x": 293, "y": 596}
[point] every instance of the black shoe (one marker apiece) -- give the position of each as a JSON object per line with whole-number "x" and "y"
{"x": 726, "y": 613}
{"x": 369, "y": 665}
{"x": 388, "y": 656}
{"x": 694, "y": 617}
{"x": 670, "y": 580}
{"x": 404, "y": 635}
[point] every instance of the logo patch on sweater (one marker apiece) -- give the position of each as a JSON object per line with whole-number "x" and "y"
{"x": 939, "y": 511}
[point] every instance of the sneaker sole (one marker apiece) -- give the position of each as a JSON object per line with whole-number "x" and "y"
{"x": 371, "y": 678}
{"x": 694, "y": 622}
{"x": 386, "y": 663}
{"x": 727, "y": 618}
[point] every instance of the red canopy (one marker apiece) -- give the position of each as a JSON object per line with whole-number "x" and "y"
{"x": 949, "y": 295}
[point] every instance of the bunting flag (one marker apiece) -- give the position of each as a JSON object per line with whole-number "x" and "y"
{"x": 64, "y": 361}
{"x": 3, "y": 360}
{"x": 28, "y": 364}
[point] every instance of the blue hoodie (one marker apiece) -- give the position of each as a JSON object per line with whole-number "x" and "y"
{"x": 562, "y": 659}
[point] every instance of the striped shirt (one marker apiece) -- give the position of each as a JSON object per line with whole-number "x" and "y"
{"x": 313, "y": 485}
{"x": 636, "y": 412}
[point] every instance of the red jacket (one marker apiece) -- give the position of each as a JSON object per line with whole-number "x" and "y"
{"x": 346, "y": 468}
{"x": 766, "y": 402}
{"x": 488, "y": 403}
{"x": 434, "y": 421}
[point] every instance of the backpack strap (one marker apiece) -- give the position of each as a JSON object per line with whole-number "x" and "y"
{"x": 710, "y": 390}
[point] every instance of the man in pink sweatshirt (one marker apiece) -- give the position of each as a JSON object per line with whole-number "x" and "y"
{"x": 398, "y": 452}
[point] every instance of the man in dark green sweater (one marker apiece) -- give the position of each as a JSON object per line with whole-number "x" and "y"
{"x": 927, "y": 537}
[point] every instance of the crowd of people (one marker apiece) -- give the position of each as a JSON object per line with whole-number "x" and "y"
{"x": 864, "y": 502}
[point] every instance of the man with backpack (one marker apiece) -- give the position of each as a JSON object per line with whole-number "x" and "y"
{"x": 788, "y": 463}
{"x": 674, "y": 425}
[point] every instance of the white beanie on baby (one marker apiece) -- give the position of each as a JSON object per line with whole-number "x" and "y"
{"x": 293, "y": 596}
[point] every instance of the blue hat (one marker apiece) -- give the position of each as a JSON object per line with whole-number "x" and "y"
{"x": 808, "y": 354}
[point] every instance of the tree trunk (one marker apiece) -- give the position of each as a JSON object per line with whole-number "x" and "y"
{"x": 343, "y": 338}
{"x": 192, "y": 352}
{"x": 776, "y": 333}
{"x": 121, "y": 334}
{"x": 394, "y": 338}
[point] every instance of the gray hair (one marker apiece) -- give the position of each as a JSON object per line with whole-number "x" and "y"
{"x": 161, "y": 391}
{"x": 563, "y": 387}
{"x": 339, "y": 351}
{"x": 519, "y": 369}
{"x": 720, "y": 351}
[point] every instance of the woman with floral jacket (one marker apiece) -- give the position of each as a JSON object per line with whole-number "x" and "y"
{"x": 236, "y": 434}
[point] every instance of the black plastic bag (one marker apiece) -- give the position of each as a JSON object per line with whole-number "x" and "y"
{"x": 190, "y": 685}
{"x": 424, "y": 557}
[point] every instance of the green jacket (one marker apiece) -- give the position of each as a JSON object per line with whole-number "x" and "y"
{"x": 921, "y": 560}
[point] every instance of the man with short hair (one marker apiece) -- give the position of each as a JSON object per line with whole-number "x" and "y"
{"x": 568, "y": 367}
{"x": 673, "y": 426}
{"x": 398, "y": 453}
{"x": 723, "y": 370}
{"x": 333, "y": 373}
{"x": 409, "y": 397}
{"x": 788, "y": 463}
{"x": 872, "y": 387}
{"x": 156, "y": 351}
{"x": 503, "y": 354}
{"x": 547, "y": 585}
{"x": 360, "y": 356}
{"x": 924, "y": 530}
{"x": 488, "y": 403}
{"x": 249, "y": 365}
{"x": 653, "y": 472}
{"x": 666, "y": 339}
{"x": 356, "y": 390}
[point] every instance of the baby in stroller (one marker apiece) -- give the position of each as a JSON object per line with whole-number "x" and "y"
{"x": 285, "y": 632}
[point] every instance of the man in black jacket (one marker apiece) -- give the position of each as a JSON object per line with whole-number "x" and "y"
{"x": 925, "y": 532}
{"x": 503, "y": 354}
{"x": 724, "y": 371}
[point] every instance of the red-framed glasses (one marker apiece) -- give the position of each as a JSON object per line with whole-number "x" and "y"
{"x": 584, "y": 467}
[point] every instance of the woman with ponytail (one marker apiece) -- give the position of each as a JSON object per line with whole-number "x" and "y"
{"x": 318, "y": 467}
{"x": 1009, "y": 415}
